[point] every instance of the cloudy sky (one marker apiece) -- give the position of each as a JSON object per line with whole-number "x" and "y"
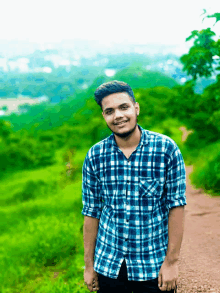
{"x": 136, "y": 21}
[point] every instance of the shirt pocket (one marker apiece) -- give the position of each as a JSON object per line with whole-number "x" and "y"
{"x": 149, "y": 187}
{"x": 150, "y": 191}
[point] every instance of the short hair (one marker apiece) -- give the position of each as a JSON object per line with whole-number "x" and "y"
{"x": 112, "y": 87}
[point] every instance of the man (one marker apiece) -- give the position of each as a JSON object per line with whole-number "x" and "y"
{"x": 133, "y": 202}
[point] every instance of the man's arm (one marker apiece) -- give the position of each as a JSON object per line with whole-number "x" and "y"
{"x": 168, "y": 274}
{"x": 92, "y": 210}
{"x": 90, "y": 231}
{"x": 175, "y": 188}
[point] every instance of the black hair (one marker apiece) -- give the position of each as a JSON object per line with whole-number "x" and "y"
{"x": 112, "y": 87}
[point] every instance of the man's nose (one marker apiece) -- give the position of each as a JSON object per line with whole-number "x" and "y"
{"x": 118, "y": 113}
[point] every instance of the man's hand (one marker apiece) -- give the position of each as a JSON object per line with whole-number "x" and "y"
{"x": 91, "y": 279}
{"x": 90, "y": 230}
{"x": 168, "y": 276}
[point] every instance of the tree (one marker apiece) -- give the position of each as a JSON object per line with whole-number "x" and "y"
{"x": 203, "y": 58}
{"x": 4, "y": 108}
{"x": 5, "y": 129}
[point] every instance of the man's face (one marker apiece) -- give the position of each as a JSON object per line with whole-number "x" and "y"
{"x": 120, "y": 113}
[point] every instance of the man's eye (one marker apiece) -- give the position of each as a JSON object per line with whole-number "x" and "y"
{"x": 124, "y": 107}
{"x": 108, "y": 112}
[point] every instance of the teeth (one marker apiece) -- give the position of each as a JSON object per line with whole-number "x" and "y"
{"x": 121, "y": 123}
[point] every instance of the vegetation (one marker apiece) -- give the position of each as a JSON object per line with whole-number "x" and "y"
{"x": 47, "y": 116}
{"x": 41, "y": 245}
{"x": 202, "y": 60}
{"x": 41, "y": 230}
{"x": 137, "y": 77}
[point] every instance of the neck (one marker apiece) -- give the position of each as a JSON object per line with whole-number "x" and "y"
{"x": 130, "y": 141}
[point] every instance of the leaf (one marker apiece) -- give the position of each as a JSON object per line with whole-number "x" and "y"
{"x": 193, "y": 34}
{"x": 204, "y": 12}
{"x": 215, "y": 15}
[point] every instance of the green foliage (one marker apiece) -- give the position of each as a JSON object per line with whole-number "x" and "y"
{"x": 57, "y": 85}
{"x": 22, "y": 151}
{"x": 89, "y": 125}
{"x": 206, "y": 174}
{"x": 40, "y": 222}
{"x": 199, "y": 61}
{"x": 32, "y": 190}
{"x": 137, "y": 77}
{"x": 215, "y": 15}
{"x": 45, "y": 241}
{"x": 5, "y": 129}
{"x": 200, "y": 113}
{"x": 197, "y": 112}
{"x": 153, "y": 101}
{"x": 47, "y": 116}
{"x": 41, "y": 234}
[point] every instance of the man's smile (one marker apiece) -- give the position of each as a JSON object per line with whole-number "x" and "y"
{"x": 121, "y": 123}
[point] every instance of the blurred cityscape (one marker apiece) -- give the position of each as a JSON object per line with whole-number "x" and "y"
{"x": 74, "y": 65}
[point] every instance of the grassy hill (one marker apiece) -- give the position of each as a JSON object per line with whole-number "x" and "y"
{"x": 46, "y": 116}
{"x": 138, "y": 77}
{"x": 41, "y": 245}
{"x": 41, "y": 230}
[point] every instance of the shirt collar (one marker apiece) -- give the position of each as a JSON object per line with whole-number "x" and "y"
{"x": 143, "y": 140}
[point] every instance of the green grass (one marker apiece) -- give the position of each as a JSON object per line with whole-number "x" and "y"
{"x": 206, "y": 174}
{"x": 170, "y": 127}
{"x": 41, "y": 229}
{"x": 41, "y": 244}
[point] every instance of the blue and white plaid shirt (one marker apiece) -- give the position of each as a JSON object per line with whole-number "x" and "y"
{"x": 132, "y": 198}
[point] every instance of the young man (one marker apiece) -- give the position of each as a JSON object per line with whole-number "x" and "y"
{"x": 133, "y": 202}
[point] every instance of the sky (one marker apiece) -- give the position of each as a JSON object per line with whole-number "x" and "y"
{"x": 166, "y": 22}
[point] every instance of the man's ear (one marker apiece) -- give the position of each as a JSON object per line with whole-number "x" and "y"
{"x": 137, "y": 107}
{"x": 102, "y": 109}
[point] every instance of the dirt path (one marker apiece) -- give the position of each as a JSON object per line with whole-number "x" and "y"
{"x": 199, "y": 265}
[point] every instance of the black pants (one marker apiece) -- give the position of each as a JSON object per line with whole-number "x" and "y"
{"x": 122, "y": 285}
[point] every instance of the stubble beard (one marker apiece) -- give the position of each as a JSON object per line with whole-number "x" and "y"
{"x": 125, "y": 134}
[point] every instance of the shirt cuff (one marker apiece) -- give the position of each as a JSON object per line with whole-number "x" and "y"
{"x": 176, "y": 203}
{"x": 91, "y": 212}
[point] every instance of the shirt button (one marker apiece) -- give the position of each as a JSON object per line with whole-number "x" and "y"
{"x": 126, "y": 239}
{"x": 127, "y": 220}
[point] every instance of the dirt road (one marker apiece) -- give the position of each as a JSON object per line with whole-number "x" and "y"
{"x": 199, "y": 265}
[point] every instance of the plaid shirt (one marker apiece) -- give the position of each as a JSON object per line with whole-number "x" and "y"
{"x": 132, "y": 198}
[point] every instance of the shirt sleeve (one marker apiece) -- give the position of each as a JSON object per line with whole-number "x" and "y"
{"x": 91, "y": 196}
{"x": 175, "y": 185}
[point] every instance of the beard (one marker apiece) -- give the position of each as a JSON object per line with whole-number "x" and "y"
{"x": 125, "y": 134}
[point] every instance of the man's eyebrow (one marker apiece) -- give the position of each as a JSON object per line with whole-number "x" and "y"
{"x": 108, "y": 109}
{"x": 124, "y": 104}
{"x": 121, "y": 105}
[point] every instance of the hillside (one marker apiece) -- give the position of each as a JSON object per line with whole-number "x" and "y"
{"x": 47, "y": 116}
{"x": 138, "y": 77}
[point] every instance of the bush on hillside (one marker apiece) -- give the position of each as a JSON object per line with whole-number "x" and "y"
{"x": 206, "y": 173}
{"x": 20, "y": 150}
{"x": 33, "y": 189}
